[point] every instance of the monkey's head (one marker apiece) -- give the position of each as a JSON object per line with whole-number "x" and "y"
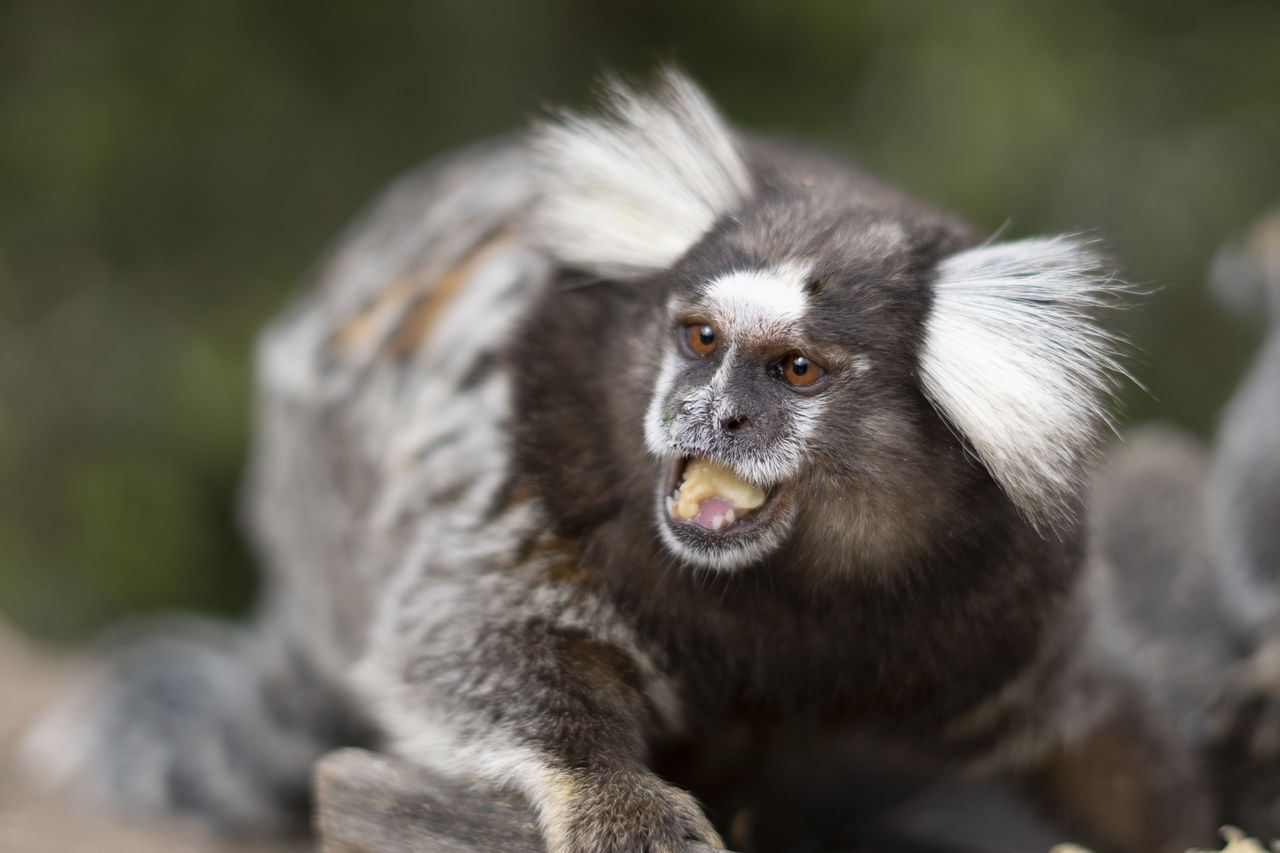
{"x": 829, "y": 352}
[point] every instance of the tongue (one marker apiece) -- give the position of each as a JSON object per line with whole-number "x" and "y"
{"x": 705, "y": 480}
{"x": 709, "y": 510}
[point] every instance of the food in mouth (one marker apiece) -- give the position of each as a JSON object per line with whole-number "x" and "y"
{"x": 712, "y": 495}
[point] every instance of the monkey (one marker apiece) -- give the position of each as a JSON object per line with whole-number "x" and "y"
{"x": 1243, "y": 519}
{"x": 601, "y": 441}
{"x": 1202, "y": 521}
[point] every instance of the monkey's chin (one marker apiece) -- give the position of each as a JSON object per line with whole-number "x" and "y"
{"x": 744, "y": 538}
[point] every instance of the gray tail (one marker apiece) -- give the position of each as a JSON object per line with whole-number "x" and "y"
{"x": 200, "y": 720}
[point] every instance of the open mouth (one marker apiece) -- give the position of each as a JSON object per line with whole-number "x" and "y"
{"x": 708, "y": 498}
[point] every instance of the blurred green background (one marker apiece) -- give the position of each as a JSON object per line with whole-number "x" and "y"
{"x": 170, "y": 172}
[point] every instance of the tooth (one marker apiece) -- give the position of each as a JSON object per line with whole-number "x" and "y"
{"x": 717, "y": 521}
{"x": 671, "y": 506}
{"x": 729, "y": 517}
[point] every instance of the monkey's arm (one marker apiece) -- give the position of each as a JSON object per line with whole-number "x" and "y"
{"x": 369, "y": 803}
{"x": 539, "y": 690}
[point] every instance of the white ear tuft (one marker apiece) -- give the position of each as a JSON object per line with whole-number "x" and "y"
{"x": 631, "y": 190}
{"x": 1014, "y": 359}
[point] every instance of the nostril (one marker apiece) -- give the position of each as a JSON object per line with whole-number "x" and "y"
{"x": 738, "y": 423}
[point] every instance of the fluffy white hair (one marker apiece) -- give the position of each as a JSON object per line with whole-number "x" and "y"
{"x": 631, "y": 189}
{"x": 1014, "y": 359}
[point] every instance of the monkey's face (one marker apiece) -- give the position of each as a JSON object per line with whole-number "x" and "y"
{"x": 759, "y": 410}
{"x": 733, "y": 406}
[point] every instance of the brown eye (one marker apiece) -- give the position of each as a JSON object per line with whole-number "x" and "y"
{"x": 799, "y": 370}
{"x": 701, "y": 338}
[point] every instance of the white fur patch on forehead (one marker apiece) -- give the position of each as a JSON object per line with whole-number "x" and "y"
{"x": 631, "y": 189}
{"x": 1014, "y": 359}
{"x": 766, "y": 303}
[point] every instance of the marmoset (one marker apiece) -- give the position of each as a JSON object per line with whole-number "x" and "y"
{"x": 606, "y": 438}
{"x": 1243, "y": 513}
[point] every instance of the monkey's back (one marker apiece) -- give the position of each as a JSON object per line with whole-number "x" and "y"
{"x": 383, "y": 394}
{"x": 381, "y": 400}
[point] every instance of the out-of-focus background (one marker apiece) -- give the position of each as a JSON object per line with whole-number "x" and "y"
{"x": 170, "y": 172}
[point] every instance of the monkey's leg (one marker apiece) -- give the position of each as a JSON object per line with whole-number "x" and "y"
{"x": 1128, "y": 785}
{"x": 543, "y": 693}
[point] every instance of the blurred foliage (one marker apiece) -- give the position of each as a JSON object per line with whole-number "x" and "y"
{"x": 169, "y": 172}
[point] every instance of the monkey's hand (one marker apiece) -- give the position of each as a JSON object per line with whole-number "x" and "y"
{"x": 1244, "y": 713}
{"x": 625, "y": 811}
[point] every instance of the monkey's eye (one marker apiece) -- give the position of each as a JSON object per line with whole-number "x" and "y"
{"x": 701, "y": 338}
{"x": 798, "y": 370}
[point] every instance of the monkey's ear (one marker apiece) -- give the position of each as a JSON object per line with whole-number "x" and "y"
{"x": 631, "y": 189}
{"x": 1014, "y": 359}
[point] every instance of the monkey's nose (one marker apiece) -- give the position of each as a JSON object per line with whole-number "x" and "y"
{"x": 737, "y": 423}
